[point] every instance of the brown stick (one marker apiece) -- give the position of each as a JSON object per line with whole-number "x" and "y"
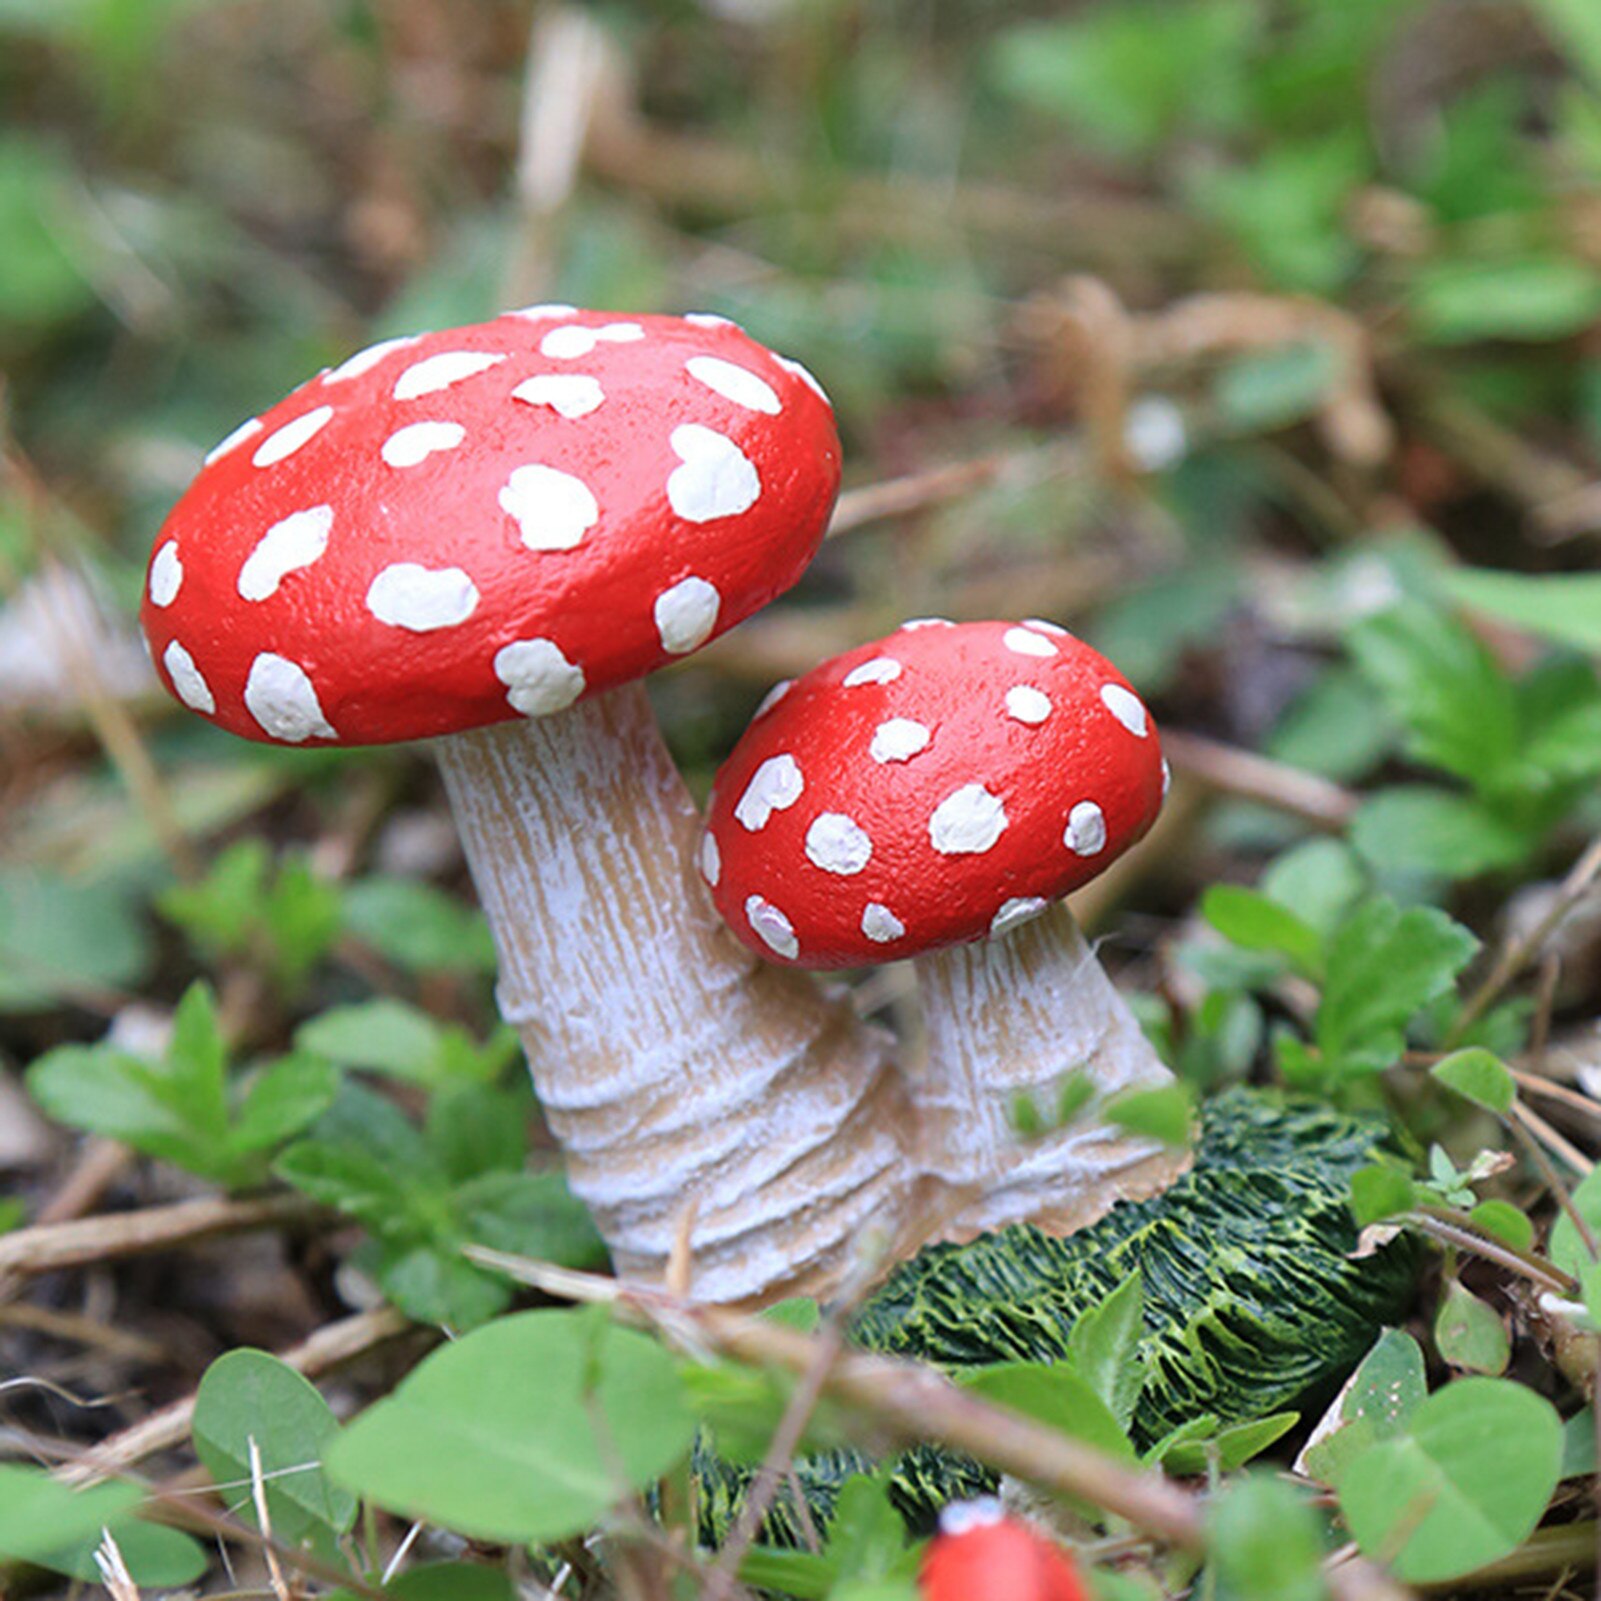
{"x": 50, "y": 1246}
{"x": 1251, "y": 776}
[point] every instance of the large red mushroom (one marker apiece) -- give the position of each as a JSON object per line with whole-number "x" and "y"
{"x": 934, "y": 795}
{"x": 490, "y": 535}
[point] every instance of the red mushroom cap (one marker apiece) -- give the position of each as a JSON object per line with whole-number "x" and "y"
{"x": 980, "y": 1554}
{"x": 939, "y": 785}
{"x": 453, "y": 529}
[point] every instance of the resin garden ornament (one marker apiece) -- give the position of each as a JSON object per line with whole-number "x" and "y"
{"x": 982, "y": 1554}
{"x": 933, "y": 795}
{"x": 488, "y": 536}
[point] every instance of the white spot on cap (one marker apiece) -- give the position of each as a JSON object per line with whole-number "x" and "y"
{"x": 961, "y": 1517}
{"x": 1125, "y": 706}
{"x": 711, "y": 860}
{"x": 234, "y": 440}
{"x": 1027, "y": 642}
{"x": 539, "y": 680}
{"x": 441, "y": 370}
{"x": 912, "y": 624}
{"x": 772, "y": 928}
{"x": 709, "y": 319}
{"x": 573, "y": 339}
{"x": 1027, "y": 704}
{"x": 295, "y": 542}
{"x": 775, "y": 786}
{"x": 571, "y": 394}
{"x": 1020, "y": 909}
{"x": 1045, "y": 626}
{"x": 773, "y": 697}
{"x": 880, "y": 924}
{"x": 365, "y": 360}
{"x": 280, "y": 696}
{"x": 543, "y": 313}
{"x": 838, "y": 844}
{"x": 553, "y": 509}
{"x": 717, "y": 479}
{"x": 880, "y": 670}
{"x": 686, "y": 614}
{"x": 187, "y": 683}
{"x": 166, "y": 575}
{"x": 898, "y": 740}
{"x": 408, "y": 595}
{"x": 285, "y": 441}
{"x": 790, "y": 365}
{"x": 417, "y": 441}
{"x": 1086, "y": 830}
{"x": 1167, "y": 778}
{"x": 735, "y": 383}
{"x": 967, "y": 822}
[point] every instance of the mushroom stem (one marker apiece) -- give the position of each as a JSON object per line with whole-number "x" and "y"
{"x": 1017, "y": 1016}
{"x": 700, "y": 1094}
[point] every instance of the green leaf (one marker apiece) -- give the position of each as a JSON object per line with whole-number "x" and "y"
{"x": 356, "y": 1182}
{"x": 1230, "y": 1449}
{"x": 59, "y": 937}
{"x": 1455, "y": 703}
{"x": 154, "y": 1556}
{"x": 1375, "y": 1404}
{"x": 1479, "y": 1077}
{"x": 383, "y": 1036}
{"x": 1269, "y": 389}
{"x": 1567, "y": 1248}
{"x": 431, "y": 1282}
{"x": 1579, "y": 1444}
{"x": 418, "y": 927}
{"x": 806, "y": 1575}
{"x": 1416, "y": 828}
{"x": 1503, "y": 1221}
{"x": 282, "y": 1100}
{"x": 1127, "y": 75}
{"x": 528, "y": 1429}
{"x": 249, "y": 1395}
{"x": 106, "y": 1091}
{"x": 1378, "y": 1192}
{"x": 197, "y": 1063}
{"x": 40, "y": 1517}
{"x": 1464, "y": 1484}
{"x": 444, "y": 1581}
{"x": 1527, "y": 297}
{"x": 473, "y": 1129}
{"x": 1104, "y": 1348}
{"x": 1319, "y": 880}
{"x": 1255, "y": 923}
{"x": 1055, "y": 1395}
{"x": 1384, "y": 965}
{"x": 530, "y": 1214}
{"x": 1565, "y": 608}
{"x": 867, "y": 1541}
{"x": 1468, "y": 1334}
{"x": 1165, "y": 1115}
{"x": 1266, "y": 1542}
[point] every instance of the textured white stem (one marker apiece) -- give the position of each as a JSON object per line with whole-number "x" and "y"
{"x": 1017, "y": 1016}
{"x": 696, "y": 1090}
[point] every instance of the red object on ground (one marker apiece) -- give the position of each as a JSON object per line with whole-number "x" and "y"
{"x": 981, "y": 1554}
{"x": 940, "y": 785}
{"x": 450, "y": 530}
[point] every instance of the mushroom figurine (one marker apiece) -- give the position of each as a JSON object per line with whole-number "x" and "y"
{"x": 933, "y": 795}
{"x": 982, "y": 1554}
{"x": 488, "y": 536}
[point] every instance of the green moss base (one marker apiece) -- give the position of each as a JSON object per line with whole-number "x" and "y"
{"x": 1251, "y": 1299}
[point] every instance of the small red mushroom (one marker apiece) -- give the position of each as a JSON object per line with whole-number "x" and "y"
{"x": 492, "y": 534}
{"x": 933, "y": 795}
{"x": 981, "y": 1554}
